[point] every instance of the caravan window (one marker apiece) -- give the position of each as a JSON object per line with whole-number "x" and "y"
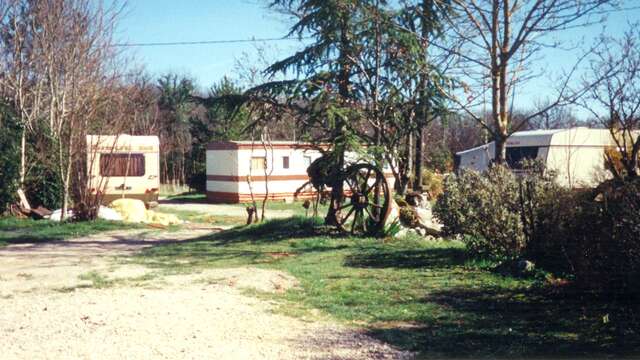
{"x": 122, "y": 164}
{"x": 515, "y": 155}
{"x": 307, "y": 161}
{"x": 258, "y": 163}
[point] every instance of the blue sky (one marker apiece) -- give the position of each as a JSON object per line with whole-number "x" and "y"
{"x": 198, "y": 20}
{"x": 193, "y": 20}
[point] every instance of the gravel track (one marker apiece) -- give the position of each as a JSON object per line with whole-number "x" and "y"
{"x": 48, "y": 312}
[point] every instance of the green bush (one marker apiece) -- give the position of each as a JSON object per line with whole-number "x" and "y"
{"x": 10, "y": 134}
{"x": 401, "y": 202}
{"x": 432, "y": 183}
{"x": 498, "y": 214}
{"x": 481, "y": 207}
{"x": 43, "y": 186}
{"x": 605, "y": 239}
{"x": 440, "y": 157}
{"x": 198, "y": 182}
{"x": 592, "y": 236}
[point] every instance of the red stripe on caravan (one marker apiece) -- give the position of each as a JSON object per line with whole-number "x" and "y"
{"x": 232, "y": 198}
{"x": 235, "y": 178}
{"x": 229, "y": 145}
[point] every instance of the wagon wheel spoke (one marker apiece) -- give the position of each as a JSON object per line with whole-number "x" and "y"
{"x": 346, "y": 217}
{"x": 375, "y": 183}
{"x": 354, "y": 223}
{"x": 359, "y": 223}
{"x": 352, "y": 186}
{"x": 364, "y": 222}
{"x": 346, "y": 205}
{"x": 374, "y": 217}
{"x": 365, "y": 184}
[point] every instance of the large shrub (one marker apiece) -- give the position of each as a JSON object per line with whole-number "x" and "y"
{"x": 43, "y": 187}
{"x": 605, "y": 238}
{"x": 10, "y": 133}
{"x": 481, "y": 208}
{"x": 499, "y": 214}
{"x": 594, "y": 236}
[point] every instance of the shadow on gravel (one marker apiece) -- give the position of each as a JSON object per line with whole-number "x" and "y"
{"x": 26, "y": 231}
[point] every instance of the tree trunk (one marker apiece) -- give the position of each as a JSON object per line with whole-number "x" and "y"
{"x": 23, "y": 157}
{"x": 344, "y": 90}
{"x": 502, "y": 113}
{"x": 417, "y": 167}
{"x": 501, "y": 149}
{"x": 423, "y": 110}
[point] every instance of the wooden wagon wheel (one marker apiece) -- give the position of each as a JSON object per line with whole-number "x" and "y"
{"x": 365, "y": 206}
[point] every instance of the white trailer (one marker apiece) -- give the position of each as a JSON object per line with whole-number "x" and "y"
{"x": 577, "y": 155}
{"x": 231, "y": 163}
{"x": 124, "y": 166}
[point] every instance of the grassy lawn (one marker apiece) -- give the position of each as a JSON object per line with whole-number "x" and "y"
{"x": 14, "y": 231}
{"x": 427, "y": 297}
{"x": 187, "y": 197}
{"x": 294, "y": 208}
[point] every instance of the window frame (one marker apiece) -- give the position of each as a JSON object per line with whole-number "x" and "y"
{"x": 309, "y": 158}
{"x": 258, "y": 158}
{"x": 102, "y": 167}
{"x": 522, "y": 152}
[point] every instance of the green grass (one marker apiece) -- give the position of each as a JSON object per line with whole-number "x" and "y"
{"x": 187, "y": 197}
{"x": 171, "y": 190}
{"x": 14, "y": 230}
{"x": 193, "y": 197}
{"x": 418, "y": 295}
{"x": 102, "y": 281}
{"x": 295, "y": 208}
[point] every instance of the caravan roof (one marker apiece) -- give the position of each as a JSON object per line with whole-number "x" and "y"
{"x": 123, "y": 143}
{"x": 578, "y": 136}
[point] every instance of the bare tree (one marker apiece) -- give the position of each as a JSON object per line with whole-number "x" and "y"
{"x": 23, "y": 80}
{"x": 557, "y": 117}
{"x": 615, "y": 99}
{"x": 75, "y": 40}
{"x": 497, "y": 40}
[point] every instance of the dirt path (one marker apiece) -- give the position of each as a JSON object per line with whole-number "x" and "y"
{"x": 225, "y": 210}
{"x": 50, "y": 308}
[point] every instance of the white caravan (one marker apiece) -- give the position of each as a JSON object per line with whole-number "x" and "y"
{"x": 124, "y": 166}
{"x": 229, "y": 163}
{"x": 577, "y": 155}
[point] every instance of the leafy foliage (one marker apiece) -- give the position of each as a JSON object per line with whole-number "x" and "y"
{"x": 605, "y": 238}
{"x": 482, "y": 209}
{"x": 10, "y": 134}
{"x": 43, "y": 186}
{"x": 593, "y": 236}
{"x": 432, "y": 182}
{"x": 499, "y": 214}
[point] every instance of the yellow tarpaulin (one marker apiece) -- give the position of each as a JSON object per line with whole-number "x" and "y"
{"x": 134, "y": 211}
